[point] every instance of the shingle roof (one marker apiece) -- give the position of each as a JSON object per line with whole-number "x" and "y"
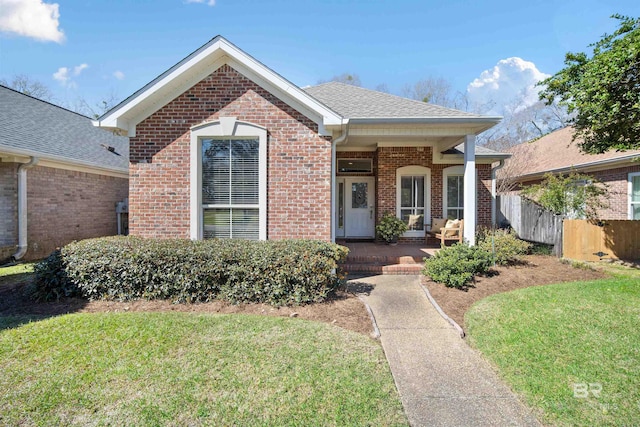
{"x": 356, "y": 102}
{"x": 481, "y": 151}
{"x": 556, "y": 151}
{"x": 30, "y": 125}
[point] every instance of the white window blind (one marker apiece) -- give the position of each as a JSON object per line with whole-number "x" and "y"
{"x": 230, "y": 188}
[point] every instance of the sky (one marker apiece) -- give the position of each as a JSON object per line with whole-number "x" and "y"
{"x": 491, "y": 50}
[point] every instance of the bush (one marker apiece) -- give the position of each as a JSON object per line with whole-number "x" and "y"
{"x": 281, "y": 272}
{"x": 503, "y": 244}
{"x": 456, "y": 265}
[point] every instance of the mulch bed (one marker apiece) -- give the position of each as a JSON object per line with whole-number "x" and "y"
{"x": 536, "y": 270}
{"x": 344, "y": 309}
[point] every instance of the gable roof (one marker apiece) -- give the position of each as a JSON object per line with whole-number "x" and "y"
{"x": 199, "y": 64}
{"x": 355, "y": 102}
{"x": 556, "y": 152}
{"x": 481, "y": 151}
{"x": 32, "y": 127}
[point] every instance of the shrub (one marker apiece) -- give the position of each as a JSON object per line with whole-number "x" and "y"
{"x": 390, "y": 228}
{"x": 456, "y": 265}
{"x": 124, "y": 268}
{"x": 503, "y": 244}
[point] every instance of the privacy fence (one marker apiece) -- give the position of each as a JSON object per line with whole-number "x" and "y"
{"x": 579, "y": 239}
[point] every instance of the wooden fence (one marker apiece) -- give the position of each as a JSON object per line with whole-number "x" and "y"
{"x": 594, "y": 240}
{"x": 531, "y": 221}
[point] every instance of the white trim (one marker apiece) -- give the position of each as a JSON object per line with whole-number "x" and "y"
{"x": 200, "y": 64}
{"x": 447, "y": 172}
{"x": 470, "y": 200}
{"x": 630, "y": 192}
{"x": 414, "y": 170}
{"x": 216, "y": 129}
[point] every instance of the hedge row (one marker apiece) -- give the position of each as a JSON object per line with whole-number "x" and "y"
{"x": 281, "y": 272}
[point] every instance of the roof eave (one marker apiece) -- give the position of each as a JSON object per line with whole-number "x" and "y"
{"x": 217, "y": 52}
{"x": 591, "y": 166}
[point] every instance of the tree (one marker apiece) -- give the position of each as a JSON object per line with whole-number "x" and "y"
{"x": 574, "y": 195}
{"x": 346, "y": 78}
{"x": 24, "y": 84}
{"x": 99, "y": 108}
{"x": 435, "y": 90}
{"x": 603, "y": 90}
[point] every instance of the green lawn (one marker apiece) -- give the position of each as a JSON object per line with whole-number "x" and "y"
{"x": 191, "y": 369}
{"x": 572, "y": 350}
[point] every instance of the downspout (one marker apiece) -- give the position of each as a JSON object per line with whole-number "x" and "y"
{"x": 340, "y": 140}
{"x": 22, "y": 207}
{"x": 494, "y": 190}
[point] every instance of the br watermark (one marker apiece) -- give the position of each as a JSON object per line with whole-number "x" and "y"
{"x": 586, "y": 390}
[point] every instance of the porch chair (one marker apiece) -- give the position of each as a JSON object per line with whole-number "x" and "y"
{"x": 436, "y": 225}
{"x": 451, "y": 231}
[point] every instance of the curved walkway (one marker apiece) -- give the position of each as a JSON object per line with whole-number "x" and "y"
{"x": 441, "y": 380}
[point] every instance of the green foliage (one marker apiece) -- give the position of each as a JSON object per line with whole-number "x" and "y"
{"x": 124, "y": 268}
{"x": 390, "y": 227}
{"x": 503, "y": 244}
{"x": 604, "y": 90}
{"x": 574, "y": 195}
{"x": 456, "y": 265}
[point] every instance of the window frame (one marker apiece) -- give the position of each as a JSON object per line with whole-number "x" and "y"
{"x": 457, "y": 170}
{"x": 414, "y": 170}
{"x": 225, "y": 128}
{"x": 630, "y": 202}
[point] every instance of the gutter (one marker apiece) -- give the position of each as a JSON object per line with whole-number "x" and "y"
{"x": 586, "y": 166}
{"x": 339, "y": 140}
{"x": 22, "y": 208}
{"x": 494, "y": 191}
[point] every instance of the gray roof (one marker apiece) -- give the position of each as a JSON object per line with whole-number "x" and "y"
{"x": 34, "y": 127}
{"x": 355, "y": 102}
{"x": 481, "y": 151}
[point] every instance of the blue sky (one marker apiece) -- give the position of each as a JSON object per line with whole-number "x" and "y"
{"x": 117, "y": 46}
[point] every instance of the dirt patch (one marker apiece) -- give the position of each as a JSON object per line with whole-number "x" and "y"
{"x": 536, "y": 270}
{"x": 343, "y": 309}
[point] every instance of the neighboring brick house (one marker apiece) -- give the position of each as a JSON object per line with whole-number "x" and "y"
{"x": 60, "y": 167}
{"x": 556, "y": 153}
{"x": 222, "y": 146}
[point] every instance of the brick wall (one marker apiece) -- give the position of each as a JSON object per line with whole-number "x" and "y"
{"x": 298, "y": 163}
{"x": 617, "y": 181}
{"x": 391, "y": 158}
{"x": 64, "y": 206}
{"x": 8, "y": 209}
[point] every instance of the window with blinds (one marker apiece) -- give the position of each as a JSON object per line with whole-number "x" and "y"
{"x": 230, "y": 188}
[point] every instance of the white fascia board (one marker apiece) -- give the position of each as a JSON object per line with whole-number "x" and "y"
{"x": 193, "y": 70}
{"x": 586, "y": 167}
{"x": 64, "y": 163}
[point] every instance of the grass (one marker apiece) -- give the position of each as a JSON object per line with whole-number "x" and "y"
{"x": 572, "y": 350}
{"x": 17, "y": 269}
{"x": 191, "y": 369}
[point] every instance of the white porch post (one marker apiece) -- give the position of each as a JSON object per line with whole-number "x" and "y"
{"x": 470, "y": 207}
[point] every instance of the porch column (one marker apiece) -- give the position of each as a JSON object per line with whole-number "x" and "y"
{"x": 470, "y": 207}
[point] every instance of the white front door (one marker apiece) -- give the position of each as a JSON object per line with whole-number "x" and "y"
{"x": 359, "y": 203}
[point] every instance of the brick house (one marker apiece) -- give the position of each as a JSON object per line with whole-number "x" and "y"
{"x": 557, "y": 153}
{"x": 222, "y": 146}
{"x": 60, "y": 177}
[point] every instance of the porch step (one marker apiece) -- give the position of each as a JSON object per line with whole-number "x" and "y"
{"x": 372, "y": 264}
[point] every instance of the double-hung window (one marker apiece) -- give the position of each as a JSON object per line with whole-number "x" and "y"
{"x": 453, "y": 192}
{"x": 634, "y": 195}
{"x": 230, "y": 188}
{"x": 413, "y": 185}
{"x": 228, "y": 180}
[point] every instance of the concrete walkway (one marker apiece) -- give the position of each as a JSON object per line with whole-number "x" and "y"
{"x": 441, "y": 380}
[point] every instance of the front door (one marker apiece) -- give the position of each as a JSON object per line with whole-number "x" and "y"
{"x": 359, "y": 203}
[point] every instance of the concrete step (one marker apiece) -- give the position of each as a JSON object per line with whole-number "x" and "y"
{"x": 392, "y": 268}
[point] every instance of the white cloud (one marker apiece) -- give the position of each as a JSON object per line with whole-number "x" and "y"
{"x": 118, "y": 75}
{"x": 207, "y": 2}
{"x": 79, "y": 68}
{"x": 64, "y": 75}
{"x": 510, "y": 83}
{"x": 31, "y": 18}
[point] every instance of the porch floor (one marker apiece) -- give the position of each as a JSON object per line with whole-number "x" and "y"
{"x": 378, "y": 258}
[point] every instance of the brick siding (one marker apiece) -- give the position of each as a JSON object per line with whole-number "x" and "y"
{"x": 298, "y": 160}
{"x": 391, "y": 158}
{"x": 8, "y": 209}
{"x": 63, "y": 206}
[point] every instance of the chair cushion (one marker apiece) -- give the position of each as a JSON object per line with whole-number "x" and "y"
{"x": 451, "y": 224}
